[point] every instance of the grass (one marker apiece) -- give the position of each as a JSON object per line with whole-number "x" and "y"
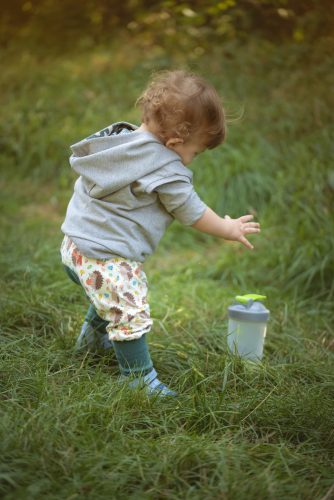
{"x": 237, "y": 431}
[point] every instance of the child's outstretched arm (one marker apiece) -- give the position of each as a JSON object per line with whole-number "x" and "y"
{"x": 227, "y": 228}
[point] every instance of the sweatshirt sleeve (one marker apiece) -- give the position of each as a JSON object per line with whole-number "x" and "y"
{"x": 180, "y": 199}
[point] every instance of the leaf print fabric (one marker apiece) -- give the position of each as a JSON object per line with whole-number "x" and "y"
{"x": 116, "y": 287}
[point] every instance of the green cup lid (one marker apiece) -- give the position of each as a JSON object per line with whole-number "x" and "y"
{"x": 244, "y": 299}
{"x": 249, "y": 308}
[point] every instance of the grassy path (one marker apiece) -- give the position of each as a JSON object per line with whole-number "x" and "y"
{"x": 237, "y": 431}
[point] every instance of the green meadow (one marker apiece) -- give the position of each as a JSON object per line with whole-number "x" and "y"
{"x": 237, "y": 430}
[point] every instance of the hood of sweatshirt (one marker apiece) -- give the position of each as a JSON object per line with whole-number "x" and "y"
{"x": 109, "y": 161}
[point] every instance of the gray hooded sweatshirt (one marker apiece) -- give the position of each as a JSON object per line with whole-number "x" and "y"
{"x": 130, "y": 188}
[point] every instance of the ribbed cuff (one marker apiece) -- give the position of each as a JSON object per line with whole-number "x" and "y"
{"x": 133, "y": 356}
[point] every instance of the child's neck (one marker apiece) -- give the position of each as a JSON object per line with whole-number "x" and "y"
{"x": 148, "y": 128}
{"x": 144, "y": 128}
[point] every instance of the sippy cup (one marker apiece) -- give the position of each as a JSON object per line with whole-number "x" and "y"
{"x": 247, "y": 326}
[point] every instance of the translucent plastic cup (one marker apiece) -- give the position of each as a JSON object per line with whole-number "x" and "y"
{"x": 247, "y": 327}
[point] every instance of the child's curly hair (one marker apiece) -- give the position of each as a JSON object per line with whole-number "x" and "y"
{"x": 181, "y": 104}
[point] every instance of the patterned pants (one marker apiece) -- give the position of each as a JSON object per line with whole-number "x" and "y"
{"x": 116, "y": 287}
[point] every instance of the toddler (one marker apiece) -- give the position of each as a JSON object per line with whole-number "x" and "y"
{"x": 133, "y": 182}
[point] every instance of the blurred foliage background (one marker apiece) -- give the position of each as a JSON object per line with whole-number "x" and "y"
{"x": 71, "y": 67}
{"x": 56, "y": 25}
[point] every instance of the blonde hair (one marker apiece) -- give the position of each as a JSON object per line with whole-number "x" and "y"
{"x": 183, "y": 105}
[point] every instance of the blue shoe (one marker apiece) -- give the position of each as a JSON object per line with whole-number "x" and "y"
{"x": 91, "y": 340}
{"x": 151, "y": 384}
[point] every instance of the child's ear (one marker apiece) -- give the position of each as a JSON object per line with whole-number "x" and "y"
{"x": 173, "y": 141}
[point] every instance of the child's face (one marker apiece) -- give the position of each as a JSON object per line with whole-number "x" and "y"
{"x": 187, "y": 151}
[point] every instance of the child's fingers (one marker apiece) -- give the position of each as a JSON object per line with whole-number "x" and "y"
{"x": 247, "y": 218}
{"x": 249, "y": 230}
{"x": 245, "y": 242}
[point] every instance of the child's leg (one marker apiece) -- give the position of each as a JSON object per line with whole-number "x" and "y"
{"x": 93, "y": 332}
{"x": 117, "y": 288}
{"x": 133, "y": 356}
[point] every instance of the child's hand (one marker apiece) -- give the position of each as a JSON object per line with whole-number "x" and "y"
{"x": 227, "y": 228}
{"x": 236, "y": 229}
